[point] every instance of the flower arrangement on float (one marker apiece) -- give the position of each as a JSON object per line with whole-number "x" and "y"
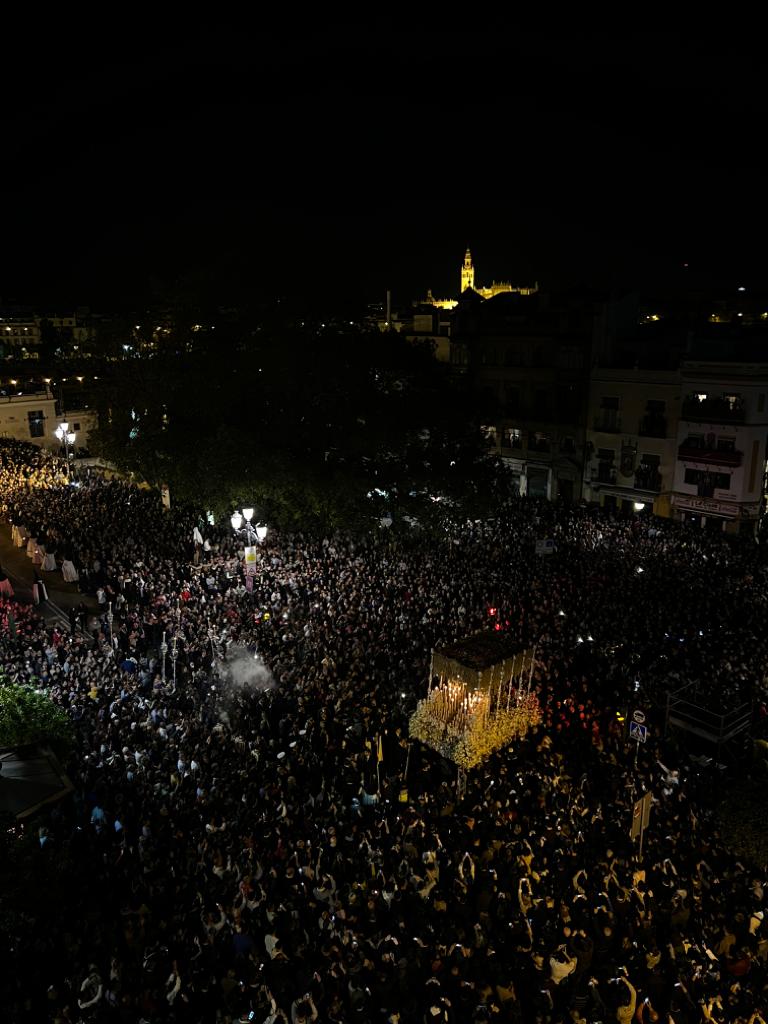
{"x": 467, "y": 727}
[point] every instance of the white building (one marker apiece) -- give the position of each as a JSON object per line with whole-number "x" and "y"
{"x": 721, "y": 460}
{"x": 632, "y": 438}
{"x": 30, "y": 415}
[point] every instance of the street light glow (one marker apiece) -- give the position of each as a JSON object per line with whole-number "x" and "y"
{"x": 237, "y": 520}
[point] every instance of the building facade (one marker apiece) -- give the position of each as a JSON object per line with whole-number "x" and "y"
{"x": 632, "y": 438}
{"x": 528, "y": 358}
{"x": 720, "y": 470}
{"x": 23, "y": 332}
{"x": 31, "y": 413}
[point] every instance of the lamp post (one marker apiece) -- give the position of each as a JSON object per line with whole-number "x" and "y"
{"x": 163, "y": 652}
{"x": 253, "y": 535}
{"x": 66, "y": 437}
{"x": 242, "y": 524}
{"x": 174, "y": 656}
{"x": 110, "y": 619}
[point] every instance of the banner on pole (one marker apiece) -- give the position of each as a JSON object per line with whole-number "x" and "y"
{"x": 249, "y": 584}
{"x": 251, "y": 561}
{"x": 637, "y": 819}
{"x": 641, "y": 815}
{"x": 647, "y": 801}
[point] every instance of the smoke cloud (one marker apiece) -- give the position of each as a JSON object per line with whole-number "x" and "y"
{"x": 243, "y": 671}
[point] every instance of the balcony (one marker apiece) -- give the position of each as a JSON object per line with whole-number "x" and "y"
{"x": 608, "y": 424}
{"x": 606, "y": 474}
{"x": 711, "y": 456}
{"x": 652, "y": 426}
{"x": 538, "y": 444}
{"x": 713, "y": 410}
{"x": 647, "y": 480}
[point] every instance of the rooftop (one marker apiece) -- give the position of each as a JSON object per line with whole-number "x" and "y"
{"x": 481, "y": 651}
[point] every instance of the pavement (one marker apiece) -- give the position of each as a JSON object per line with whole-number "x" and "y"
{"x": 61, "y": 596}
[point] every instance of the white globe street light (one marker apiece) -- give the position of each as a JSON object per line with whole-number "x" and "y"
{"x": 67, "y": 438}
{"x": 242, "y": 522}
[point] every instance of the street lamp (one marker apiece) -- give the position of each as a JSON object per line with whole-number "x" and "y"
{"x": 163, "y": 652}
{"x": 174, "y": 656}
{"x": 110, "y": 620}
{"x": 66, "y": 437}
{"x": 242, "y": 524}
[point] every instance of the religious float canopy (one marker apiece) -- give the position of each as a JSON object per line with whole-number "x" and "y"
{"x": 479, "y": 698}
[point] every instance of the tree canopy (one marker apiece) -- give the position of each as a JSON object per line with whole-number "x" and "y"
{"x": 28, "y": 716}
{"x": 317, "y": 427}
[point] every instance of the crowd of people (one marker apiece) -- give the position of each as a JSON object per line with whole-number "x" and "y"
{"x": 245, "y": 847}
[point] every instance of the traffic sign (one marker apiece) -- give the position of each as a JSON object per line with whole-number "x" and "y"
{"x": 638, "y": 716}
{"x": 638, "y": 731}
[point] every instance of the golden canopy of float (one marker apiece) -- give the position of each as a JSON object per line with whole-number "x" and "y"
{"x": 479, "y": 698}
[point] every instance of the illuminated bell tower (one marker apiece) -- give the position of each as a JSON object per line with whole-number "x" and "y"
{"x": 467, "y": 272}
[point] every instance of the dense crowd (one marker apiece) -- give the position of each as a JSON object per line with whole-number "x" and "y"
{"x": 245, "y": 853}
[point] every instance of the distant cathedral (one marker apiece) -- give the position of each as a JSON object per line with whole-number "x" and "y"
{"x": 468, "y": 281}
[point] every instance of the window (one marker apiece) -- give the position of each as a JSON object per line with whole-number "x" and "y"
{"x": 608, "y": 418}
{"x": 695, "y": 441}
{"x": 726, "y": 444}
{"x": 706, "y": 480}
{"x": 606, "y": 454}
{"x": 512, "y": 399}
{"x": 734, "y": 401}
{"x": 568, "y": 444}
{"x": 75, "y": 427}
{"x": 651, "y": 461}
{"x": 655, "y": 407}
{"x": 36, "y": 423}
{"x": 568, "y": 403}
{"x": 538, "y": 442}
{"x": 541, "y": 401}
{"x": 569, "y": 357}
{"x": 515, "y": 436}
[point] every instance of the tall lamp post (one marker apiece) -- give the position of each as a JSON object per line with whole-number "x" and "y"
{"x": 110, "y": 620}
{"x": 174, "y": 656}
{"x": 254, "y": 535}
{"x": 163, "y": 652}
{"x": 242, "y": 524}
{"x": 66, "y": 437}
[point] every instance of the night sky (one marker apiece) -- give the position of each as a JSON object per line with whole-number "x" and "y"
{"x": 340, "y": 160}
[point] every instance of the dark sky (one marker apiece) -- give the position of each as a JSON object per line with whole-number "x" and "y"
{"x": 346, "y": 158}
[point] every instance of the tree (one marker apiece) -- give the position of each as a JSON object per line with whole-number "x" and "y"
{"x": 29, "y": 716}
{"x": 305, "y": 423}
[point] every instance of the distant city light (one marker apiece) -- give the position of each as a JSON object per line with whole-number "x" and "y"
{"x": 639, "y": 569}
